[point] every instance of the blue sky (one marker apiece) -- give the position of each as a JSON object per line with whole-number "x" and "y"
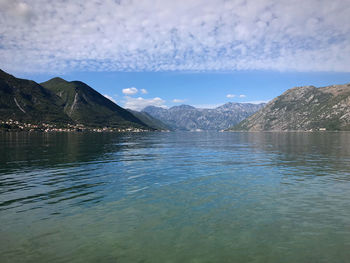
{"x": 201, "y": 89}
{"x": 165, "y": 53}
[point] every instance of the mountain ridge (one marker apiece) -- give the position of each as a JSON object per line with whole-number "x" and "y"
{"x": 26, "y": 100}
{"x": 85, "y": 105}
{"x": 60, "y": 102}
{"x": 304, "y": 108}
{"x": 150, "y": 121}
{"x": 186, "y": 117}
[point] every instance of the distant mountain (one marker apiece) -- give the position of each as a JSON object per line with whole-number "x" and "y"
{"x": 150, "y": 121}
{"x": 303, "y": 108}
{"x": 26, "y": 101}
{"x": 185, "y": 117}
{"x": 85, "y": 105}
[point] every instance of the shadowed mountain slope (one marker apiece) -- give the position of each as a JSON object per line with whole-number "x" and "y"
{"x": 149, "y": 120}
{"x": 26, "y": 101}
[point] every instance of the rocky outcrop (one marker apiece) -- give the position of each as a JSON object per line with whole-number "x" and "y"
{"x": 303, "y": 109}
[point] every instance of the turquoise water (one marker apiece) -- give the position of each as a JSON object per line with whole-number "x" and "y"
{"x": 175, "y": 197}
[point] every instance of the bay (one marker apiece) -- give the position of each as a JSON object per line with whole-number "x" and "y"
{"x": 175, "y": 197}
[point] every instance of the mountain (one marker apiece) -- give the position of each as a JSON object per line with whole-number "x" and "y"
{"x": 303, "y": 108}
{"x": 60, "y": 102}
{"x": 86, "y": 106}
{"x": 150, "y": 121}
{"x": 185, "y": 117}
{"x": 26, "y": 101}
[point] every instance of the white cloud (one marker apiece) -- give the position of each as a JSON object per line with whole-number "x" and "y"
{"x": 144, "y": 91}
{"x": 178, "y": 101}
{"x": 110, "y": 98}
{"x": 242, "y": 96}
{"x": 20, "y": 11}
{"x": 140, "y": 103}
{"x": 130, "y": 91}
{"x": 166, "y": 35}
{"x": 230, "y": 96}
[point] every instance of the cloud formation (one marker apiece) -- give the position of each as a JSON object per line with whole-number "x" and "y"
{"x": 178, "y": 101}
{"x": 17, "y": 9}
{"x": 230, "y": 96}
{"x": 130, "y": 91}
{"x": 242, "y": 96}
{"x": 140, "y": 103}
{"x": 166, "y": 35}
{"x": 144, "y": 91}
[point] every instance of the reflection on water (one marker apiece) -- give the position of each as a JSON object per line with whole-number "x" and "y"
{"x": 175, "y": 197}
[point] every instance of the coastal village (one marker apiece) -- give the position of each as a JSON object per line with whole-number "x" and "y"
{"x": 12, "y": 125}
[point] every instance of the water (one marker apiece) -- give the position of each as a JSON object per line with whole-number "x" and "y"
{"x": 175, "y": 197}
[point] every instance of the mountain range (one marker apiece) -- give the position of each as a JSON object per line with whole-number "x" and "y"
{"x": 185, "y": 117}
{"x": 62, "y": 102}
{"x": 303, "y": 109}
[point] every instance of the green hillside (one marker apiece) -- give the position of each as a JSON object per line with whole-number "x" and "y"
{"x": 85, "y": 105}
{"x": 59, "y": 102}
{"x": 26, "y": 101}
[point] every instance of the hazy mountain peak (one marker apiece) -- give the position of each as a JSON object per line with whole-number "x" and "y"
{"x": 186, "y": 117}
{"x": 183, "y": 107}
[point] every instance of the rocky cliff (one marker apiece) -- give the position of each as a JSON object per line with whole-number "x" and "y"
{"x": 303, "y": 109}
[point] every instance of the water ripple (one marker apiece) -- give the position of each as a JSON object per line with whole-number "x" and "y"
{"x": 175, "y": 197}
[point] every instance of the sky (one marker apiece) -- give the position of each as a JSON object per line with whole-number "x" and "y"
{"x": 165, "y": 53}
